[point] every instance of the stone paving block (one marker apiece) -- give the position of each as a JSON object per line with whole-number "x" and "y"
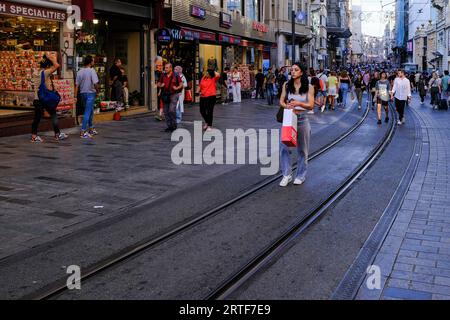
{"x": 403, "y": 267}
{"x": 443, "y": 264}
{"x": 364, "y": 293}
{"x": 408, "y": 253}
{"x": 405, "y": 275}
{"x": 400, "y": 293}
{"x": 417, "y": 261}
{"x": 421, "y": 237}
{"x": 444, "y": 281}
{"x": 436, "y": 244}
{"x": 419, "y": 248}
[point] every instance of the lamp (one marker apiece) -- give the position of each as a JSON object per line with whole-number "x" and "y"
{"x": 95, "y": 21}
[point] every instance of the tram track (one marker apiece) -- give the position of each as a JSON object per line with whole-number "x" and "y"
{"x": 58, "y": 287}
{"x": 281, "y": 244}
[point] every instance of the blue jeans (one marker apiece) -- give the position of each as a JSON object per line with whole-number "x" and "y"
{"x": 303, "y": 137}
{"x": 344, "y": 88}
{"x": 270, "y": 94}
{"x": 88, "y": 101}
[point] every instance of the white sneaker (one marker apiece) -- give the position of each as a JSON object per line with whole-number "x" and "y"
{"x": 310, "y": 112}
{"x": 359, "y": 107}
{"x": 299, "y": 181}
{"x": 403, "y": 121}
{"x": 285, "y": 181}
{"x": 322, "y": 109}
{"x": 399, "y": 122}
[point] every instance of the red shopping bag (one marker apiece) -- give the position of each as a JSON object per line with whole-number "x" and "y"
{"x": 188, "y": 96}
{"x": 289, "y": 128}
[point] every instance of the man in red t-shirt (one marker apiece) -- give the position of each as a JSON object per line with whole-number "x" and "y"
{"x": 171, "y": 86}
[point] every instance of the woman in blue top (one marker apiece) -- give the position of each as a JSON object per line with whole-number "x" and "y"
{"x": 297, "y": 92}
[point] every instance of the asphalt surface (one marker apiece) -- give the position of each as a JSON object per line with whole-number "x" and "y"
{"x": 29, "y": 270}
{"x": 315, "y": 264}
{"x": 193, "y": 263}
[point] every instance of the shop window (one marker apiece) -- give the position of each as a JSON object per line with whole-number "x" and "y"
{"x": 235, "y": 5}
{"x": 23, "y": 42}
{"x": 252, "y": 9}
{"x": 290, "y": 8}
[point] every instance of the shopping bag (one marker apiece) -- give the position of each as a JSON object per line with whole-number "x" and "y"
{"x": 188, "y": 96}
{"x": 289, "y": 128}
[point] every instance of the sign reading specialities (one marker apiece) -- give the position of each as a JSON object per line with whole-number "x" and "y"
{"x": 25, "y": 10}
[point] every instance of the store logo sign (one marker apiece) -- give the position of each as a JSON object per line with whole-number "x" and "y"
{"x": 225, "y": 20}
{"x": 198, "y": 12}
{"x": 74, "y": 17}
{"x": 261, "y": 27}
{"x": 164, "y": 36}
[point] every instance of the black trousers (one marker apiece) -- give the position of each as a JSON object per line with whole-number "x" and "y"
{"x": 400, "y": 107}
{"x": 117, "y": 91}
{"x": 38, "y": 110}
{"x": 259, "y": 91}
{"x": 207, "y": 109}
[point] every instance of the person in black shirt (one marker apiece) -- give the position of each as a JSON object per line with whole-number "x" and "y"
{"x": 259, "y": 84}
{"x": 372, "y": 86}
{"x": 224, "y": 85}
{"x": 115, "y": 76}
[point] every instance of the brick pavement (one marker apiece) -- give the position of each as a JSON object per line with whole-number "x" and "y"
{"x": 415, "y": 256}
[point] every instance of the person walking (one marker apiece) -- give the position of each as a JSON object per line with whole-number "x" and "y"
{"x": 323, "y": 88}
{"x": 360, "y": 87}
{"x": 115, "y": 76}
{"x": 446, "y": 86}
{"x": 435, "y": 90}
{"x": 171, "y": 86}
{"x": 402, "y": 94}
{"x": 224, "y": 86}
{"x": 126, "y": 90}
{"x": 270, "y": 82}
{"x": 48, "y": 65}
{"x": 297, "y": 92}
{"x": 332, "y": 85}
{"x": 372, "y": 86}
{"x": 422, "y": 87}
{"x": 207, "y": 90}
{"x": 281, "y": 79}
{"x": 236, "y": 85}
{"x": 180, "y": 104}
{"x": 259, "y": 78}
{"x": 87, "y": 84}
{"x": 345, "y": 85}
{"x": 382, "y": 90}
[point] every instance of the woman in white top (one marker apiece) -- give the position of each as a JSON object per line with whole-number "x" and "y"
{"x": 180, "y": 104}
{"x": 236, "y": 85}
{"x": 297, "y": 92}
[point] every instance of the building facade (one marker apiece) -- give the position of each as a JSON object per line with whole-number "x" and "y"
{"x": 338, "y": 32}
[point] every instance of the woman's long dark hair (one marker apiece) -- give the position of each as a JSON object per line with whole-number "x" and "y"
{"x": 304, "y": 88}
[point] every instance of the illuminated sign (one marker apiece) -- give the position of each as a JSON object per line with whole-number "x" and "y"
{"x": 198, "y": 12}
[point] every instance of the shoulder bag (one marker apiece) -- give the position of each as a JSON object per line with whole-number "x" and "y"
{"x": 49, "y": 98}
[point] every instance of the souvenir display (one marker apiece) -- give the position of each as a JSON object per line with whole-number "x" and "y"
{"x": 65, "y": 89}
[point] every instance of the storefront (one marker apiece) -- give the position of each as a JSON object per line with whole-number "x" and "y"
{"x": 26, "y": 33}
{"x": 108, "y": 37}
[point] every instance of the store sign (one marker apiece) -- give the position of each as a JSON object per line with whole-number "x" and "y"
{"x": 185, "y": 34}
{"x": 229, "y": 39}
{"x": 163, "y": 36}
{"x": 225, "y": 20}
{"x": 24, "y": 10}
{"x": 409, "y": 46}
{"x": 198, "y": 12}
{"x": 261, "y": 27}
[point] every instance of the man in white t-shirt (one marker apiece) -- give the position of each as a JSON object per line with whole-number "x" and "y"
{"x": 402, "y": 94}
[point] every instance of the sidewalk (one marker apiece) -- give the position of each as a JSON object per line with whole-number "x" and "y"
{"x": 52, "y": 189}
{"x": 415, "y": 257}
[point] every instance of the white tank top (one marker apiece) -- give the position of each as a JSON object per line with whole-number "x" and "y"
{"x": 300, "y": 98}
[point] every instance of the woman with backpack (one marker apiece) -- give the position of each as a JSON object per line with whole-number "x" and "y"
{"x": 47, "y": 98}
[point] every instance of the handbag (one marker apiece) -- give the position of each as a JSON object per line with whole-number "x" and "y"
{"x": 280, "y": 115}
{"x": 49, "y": 98}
